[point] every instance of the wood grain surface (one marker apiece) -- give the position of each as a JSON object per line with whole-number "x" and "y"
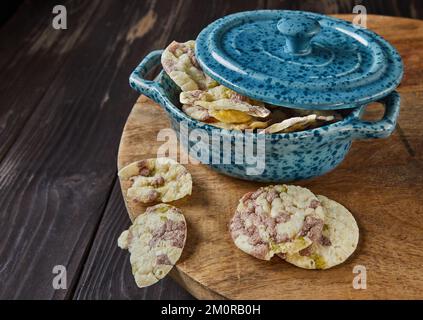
{"x": 64, "y": 101}
{"x": 381, "y": 182}
{"x": 58, "y": 175}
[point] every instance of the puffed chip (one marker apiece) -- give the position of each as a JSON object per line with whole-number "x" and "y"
{"x": 297, "y": 123}
{"x": 155, "y": 242}
{"x": 240, "y": 126}
{"x": 323, "y": 113}
{"x": 224, "y": 116}
{"x": 340, "y": 233}
{"x": 179, "y": 62}
{"x": 197, "y": 112}
{"x": 190, "y": 97}
{"x": 230, "y": 116}
{"x": 222, "y": 98}
{"x": 277, "y": 219}
{"x": 156, "y": 180}
{"x": 228, "y": 104}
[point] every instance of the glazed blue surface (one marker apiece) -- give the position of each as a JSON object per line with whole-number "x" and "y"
{"x": 298, "y": 59}
{"x": 288, "y": 156}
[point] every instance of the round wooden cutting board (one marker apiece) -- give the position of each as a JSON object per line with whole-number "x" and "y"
{"x": 380, "y": 181}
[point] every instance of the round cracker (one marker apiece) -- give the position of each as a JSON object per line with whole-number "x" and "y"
{"x": 179, "y": 62}
{"x": 272, "y": 219}
{"x": 155, "y": 241}
{"x": 342, "y": 231}
{"x": 156, "y": 180}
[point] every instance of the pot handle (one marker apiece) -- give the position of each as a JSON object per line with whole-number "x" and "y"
{"x": 149, "y": 88}
{"x": 378, "y": 129}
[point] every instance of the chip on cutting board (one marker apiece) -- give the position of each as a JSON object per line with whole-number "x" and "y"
{"x": 156, "y": 180}
{"x": 340, "y": 239}
{"x": 155, "y": 241}
{"x": 277, "y": 219}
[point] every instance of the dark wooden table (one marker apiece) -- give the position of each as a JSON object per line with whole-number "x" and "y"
{"x": 64, "y": 100}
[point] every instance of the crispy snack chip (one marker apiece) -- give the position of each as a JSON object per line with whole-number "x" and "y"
{"x": 155, "y": 241}
{"x": 277, "y": 219}
{"x": 222, "y": 98}
{"x": 341, "y": 239}
{"x": 230, "y": 116}
{"x": 179, "y": 62}
{"x": 323, "y": 113}
{"x": 197, "y": 112}
{"x": 156, "y": 179}
{"x": 241, "y": 126}
{"x": 297, "y": 123}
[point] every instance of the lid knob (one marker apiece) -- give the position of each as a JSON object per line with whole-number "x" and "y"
{"x": 298, "y": 30}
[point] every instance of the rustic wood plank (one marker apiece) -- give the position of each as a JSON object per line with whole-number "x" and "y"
{"x": 24, "y": 55}
{"x": 380, "y": 181}
{"x": 21, "y": 27}
{"x": 8, "y": 9}
{"x": 56, "y": 179}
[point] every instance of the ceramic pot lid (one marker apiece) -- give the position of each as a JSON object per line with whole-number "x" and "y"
{"x": 298, "y": 59}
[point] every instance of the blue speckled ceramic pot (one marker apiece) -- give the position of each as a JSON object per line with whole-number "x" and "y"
{"x": 287, "y": 156}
